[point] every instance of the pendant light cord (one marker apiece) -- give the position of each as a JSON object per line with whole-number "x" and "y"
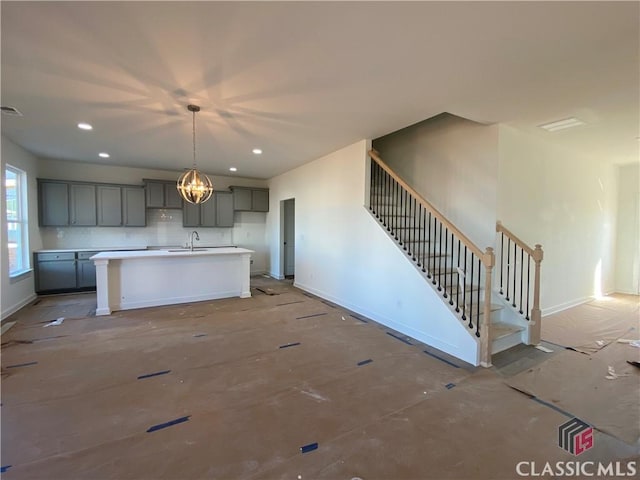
{"x": 194, "y": 139}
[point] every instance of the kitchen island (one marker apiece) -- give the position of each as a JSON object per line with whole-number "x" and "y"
{"x": 147, "y": 278}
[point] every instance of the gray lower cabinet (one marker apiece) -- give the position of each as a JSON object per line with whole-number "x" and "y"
{"x": 85, "y": 270}
{"x": 215, "y": 212}
{"x": 64, "y": 271}
{"x": 247, "y": 199}
{"x": 55, "y": 271}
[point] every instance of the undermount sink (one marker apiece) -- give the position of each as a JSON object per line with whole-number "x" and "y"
{"x": 188, "y": 250}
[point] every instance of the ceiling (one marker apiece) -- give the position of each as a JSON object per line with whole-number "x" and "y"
{"x": 302, "y": 79}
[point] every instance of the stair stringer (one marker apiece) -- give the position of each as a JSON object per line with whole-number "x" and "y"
{"x": 435, "y": 322}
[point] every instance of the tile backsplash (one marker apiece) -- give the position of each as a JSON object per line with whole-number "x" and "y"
{"x": 164, "y": 228}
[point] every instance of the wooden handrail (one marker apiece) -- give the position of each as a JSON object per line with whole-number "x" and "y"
{"x": 486, "y": 259}
{"x": 513, "y": 237}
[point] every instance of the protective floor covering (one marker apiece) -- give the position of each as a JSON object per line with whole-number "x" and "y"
{"x": 590, "y": 327}
{"x": 232, "y": 389}
{"x": 578, "y": 385}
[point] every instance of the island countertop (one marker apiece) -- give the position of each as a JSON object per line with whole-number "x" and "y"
{"x": 177, "y": 252}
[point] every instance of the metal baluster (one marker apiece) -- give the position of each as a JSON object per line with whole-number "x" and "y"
{"x": 501, "y": 259}
{"x": 508, "y": 266}
{"x": 385, "y": 194}
{"x": 515, "y": 265}
{"x": 521, "y": 276}
{"x": 414, "y": 238}
{"x": 451, "y": 283}
{"x": 440, "y": 258}
{"x": 426, "y": 260}
{"x": 528, "y": 284}
{"x": 420, "y": 236}
{"x": 398, "y": 208}
{"x": 471, "y": 295}
{"x": 425, "y": 245}
{"x": 464, "y": 286}
{"x": 478, "y": 302}
{"x": 446, "y": 252}
{"x": 460, "y": 280}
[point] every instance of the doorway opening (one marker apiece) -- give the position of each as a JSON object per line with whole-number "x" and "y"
{"x": 289, "y": 237}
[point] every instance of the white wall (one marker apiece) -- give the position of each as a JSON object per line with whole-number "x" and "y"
{"x": 344, "y": 256}
{"x": 628, "y": 230}
{"x": 567, "y": 203}
{"x": 164, "y": 226}
{"x": 19, "y": 291}
{"x": 452, "y": 162}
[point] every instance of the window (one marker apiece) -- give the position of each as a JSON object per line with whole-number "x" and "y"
{"x": 15, "y": 181}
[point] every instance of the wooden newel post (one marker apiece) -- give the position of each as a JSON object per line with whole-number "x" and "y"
{"x": 536, "y": 314}
{"x": 485, "y": 328}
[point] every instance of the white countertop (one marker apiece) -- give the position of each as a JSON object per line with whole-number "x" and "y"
{"x": 94, "y": 249}
{"x": 121, "y": 255}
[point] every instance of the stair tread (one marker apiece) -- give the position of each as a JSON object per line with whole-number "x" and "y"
{"x": 499, "y": 330}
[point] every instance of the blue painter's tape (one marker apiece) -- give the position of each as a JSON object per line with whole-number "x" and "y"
{"x": 155, "y": 374}
{"x": 5, "y": 468}
{"x": 364, "y": 362}
{"x": 400, "y": 338}
{"x": 200, "y": 335}
{"x": 309, "y": 448}
{"x": 310, "y": 316}
{"x": 551, "y": 405}
{"x": 290, "y": 345}
{"x": 168, "y": 424}
{"x": 329, "y": 303}
{"x": 449, "y": 386}
{"x": 358, "y": 318}
{"x": 441, "y": 359}
{"x": 22, "y": 365}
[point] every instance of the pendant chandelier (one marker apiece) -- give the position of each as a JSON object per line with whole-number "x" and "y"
{"x": 194, "y": 186}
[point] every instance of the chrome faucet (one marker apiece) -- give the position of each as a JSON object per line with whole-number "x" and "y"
{"x": 191, "y": 235}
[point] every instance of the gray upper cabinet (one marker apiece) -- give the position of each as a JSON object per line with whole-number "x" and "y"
{"x": 53, "y": 200}
{"x": 109, "y": 206}
{"x": 215, "y": 212}
{"x": 134, "y": 207}
{"x": 224, "y": 209}
{"x": 248, "y": 199}
{"x": 83, "y": 205}
{"x": 162, "y": 194}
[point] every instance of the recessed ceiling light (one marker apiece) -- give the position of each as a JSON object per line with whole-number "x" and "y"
{"x": 562, "y": 124}
{"x": 85, "y": 126}
{"x": 104, "y": 155}
{"x": 257, "y": 151}
{"x": 233, "y": 169}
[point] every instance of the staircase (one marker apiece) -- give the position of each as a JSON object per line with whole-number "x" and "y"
{"x": 459, "y": 271}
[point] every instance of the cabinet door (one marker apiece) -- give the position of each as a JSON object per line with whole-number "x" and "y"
{"x": 208, "y": 212}
{"x": 190, "y": 215}
{"x": 109, "y": 206}
{"x": 260, "y": 200}
{"x": 56, "y": 275}
{"x": 171, "y": 196}
{"x": 53, "y": 204}
{"x": 86, "y": 274}
{"x": 83, "y": 205}
{"x": 242, "y": 199}
{"x": 134, "y": 208}
{"x": 155, "y": 195}
{"x": 224, "y": 209}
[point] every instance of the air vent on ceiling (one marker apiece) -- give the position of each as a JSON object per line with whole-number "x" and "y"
{"x": 10, "y": 111}
{"x": 562, "y": 124}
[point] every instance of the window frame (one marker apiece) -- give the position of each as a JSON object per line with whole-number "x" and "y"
{"x": 21, "y": 219}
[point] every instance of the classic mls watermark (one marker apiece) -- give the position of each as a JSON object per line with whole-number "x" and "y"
{"x": 576, "y": 437}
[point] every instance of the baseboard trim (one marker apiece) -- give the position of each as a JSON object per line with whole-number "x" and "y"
{"x": 564, "y": 306}
{"x": 11, "y": 310}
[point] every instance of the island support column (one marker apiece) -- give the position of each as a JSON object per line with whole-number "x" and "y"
{"x": 102, "y": 287}
{"x": 246, "y": 270}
